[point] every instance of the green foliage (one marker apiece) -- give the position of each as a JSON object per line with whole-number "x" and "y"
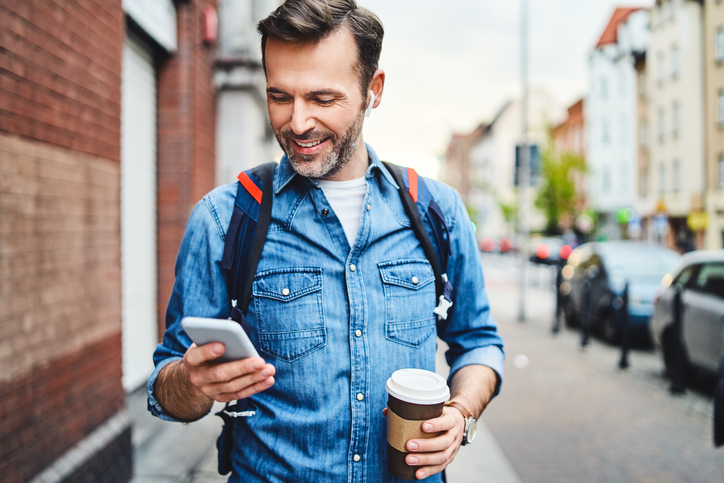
{"x": 557, "y": 195}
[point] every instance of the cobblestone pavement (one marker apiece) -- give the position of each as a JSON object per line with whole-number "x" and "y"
{"x": 570, "y": 415}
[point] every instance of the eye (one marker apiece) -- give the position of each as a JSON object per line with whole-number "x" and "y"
{"x": 279, "y": 99}
{"x": 323, "y": 101}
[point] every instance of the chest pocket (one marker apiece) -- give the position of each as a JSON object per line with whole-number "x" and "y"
{"x": 290, "y": 315}
{"x": 409, "y": 287}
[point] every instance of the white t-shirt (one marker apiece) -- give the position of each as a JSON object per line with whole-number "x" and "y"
{"x": 346, "y": 198}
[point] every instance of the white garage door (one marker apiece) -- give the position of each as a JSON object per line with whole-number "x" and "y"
{"x": 138, "y": 213}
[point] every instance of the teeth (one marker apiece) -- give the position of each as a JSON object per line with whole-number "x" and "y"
{"x": 308, "y": 144}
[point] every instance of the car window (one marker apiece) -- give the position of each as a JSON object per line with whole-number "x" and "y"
{"x": 710, "y": 279}
{"x": 685, "y": 275}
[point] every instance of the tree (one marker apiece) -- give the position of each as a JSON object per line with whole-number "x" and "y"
{"x": 557, "y": 195}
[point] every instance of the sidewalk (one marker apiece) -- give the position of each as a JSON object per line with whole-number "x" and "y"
{"x": 571, "y": 415}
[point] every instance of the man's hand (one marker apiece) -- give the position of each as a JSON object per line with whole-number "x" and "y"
{"x": 228, "y": 381}
{"x": 434, "y": 454}
{"x": 187, "y": 389}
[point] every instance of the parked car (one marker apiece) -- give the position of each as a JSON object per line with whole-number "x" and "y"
{"x": 606, "y": 267}
{"x": 548, "y": 250}
{"x": 700, "y": 275}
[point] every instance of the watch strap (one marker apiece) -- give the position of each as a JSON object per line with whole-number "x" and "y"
{"x": 463, "y": 410}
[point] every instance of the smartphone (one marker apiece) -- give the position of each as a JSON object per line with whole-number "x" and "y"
{"x": 228, "y": 332}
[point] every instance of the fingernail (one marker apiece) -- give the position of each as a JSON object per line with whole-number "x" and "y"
{"x": 421, "y": 475}
{"x": 216, "y": 350}
{"x": 412, "y": 446}
{"x": 427, "y": 427}
{"x": 413, "y": 460}
{"x": 267, "y": 372}
{"x": 256, "y": 365}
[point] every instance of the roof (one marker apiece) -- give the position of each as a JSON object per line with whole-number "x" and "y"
{"x": 610, "y": 33}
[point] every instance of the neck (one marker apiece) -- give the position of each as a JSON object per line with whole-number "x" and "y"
{"x": 357, "y": 165}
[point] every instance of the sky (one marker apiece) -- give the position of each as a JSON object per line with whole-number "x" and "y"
{"x": 451, "y": 64}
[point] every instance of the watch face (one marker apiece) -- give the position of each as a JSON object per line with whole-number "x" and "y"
{"x": 472, "y": 430}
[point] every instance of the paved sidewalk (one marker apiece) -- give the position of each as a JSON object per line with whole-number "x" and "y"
{"x": 570, "y": 415}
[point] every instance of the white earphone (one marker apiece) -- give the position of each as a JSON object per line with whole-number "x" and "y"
{"x": 369, "y": 106}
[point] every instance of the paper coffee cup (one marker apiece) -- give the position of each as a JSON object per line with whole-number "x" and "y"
{"x": 413, "y": 396}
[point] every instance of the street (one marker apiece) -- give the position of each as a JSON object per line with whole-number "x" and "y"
{"x": 564, "y": 415}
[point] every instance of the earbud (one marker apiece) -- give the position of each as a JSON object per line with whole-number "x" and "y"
{"x": 369, "y": 106}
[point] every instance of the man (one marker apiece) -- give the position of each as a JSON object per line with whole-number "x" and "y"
{"x": 343, "y": 295}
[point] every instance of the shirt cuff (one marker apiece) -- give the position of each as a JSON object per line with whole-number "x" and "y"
{"x": 153, "y": 406}
{"x": 491, "y": 356}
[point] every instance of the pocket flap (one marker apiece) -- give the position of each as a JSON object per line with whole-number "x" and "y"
{"x": 287, "y": 284}
{"x": 412, "y": 273}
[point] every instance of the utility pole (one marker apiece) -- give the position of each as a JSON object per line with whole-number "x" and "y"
{"x": 524, "y": 168}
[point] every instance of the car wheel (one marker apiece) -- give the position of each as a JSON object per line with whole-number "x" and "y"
{"x": 668, "y": 341}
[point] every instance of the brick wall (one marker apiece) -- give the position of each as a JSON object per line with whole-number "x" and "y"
{"x": 60, "y": 66}
{"x": 186, "y": 139}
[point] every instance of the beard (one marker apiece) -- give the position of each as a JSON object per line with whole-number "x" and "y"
{"x": 331, "y": 162}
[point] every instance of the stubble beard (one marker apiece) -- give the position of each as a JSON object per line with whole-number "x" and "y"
{"x": 333, "y": 161}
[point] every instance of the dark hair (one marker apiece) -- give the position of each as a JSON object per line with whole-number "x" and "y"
{"x": 310, "y": 21}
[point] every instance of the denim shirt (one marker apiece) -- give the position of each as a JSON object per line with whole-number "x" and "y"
{"x": 335, "y": 320}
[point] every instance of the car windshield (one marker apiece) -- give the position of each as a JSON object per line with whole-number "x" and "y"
{"x": 638, "y": 261}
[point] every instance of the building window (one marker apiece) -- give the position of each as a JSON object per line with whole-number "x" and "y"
{"x": 605, "y": 134}
{"x": 675, "y": 118}
{"x": 604, "y": 88}
{"x": 676, "y": 177}
{"x": 662, "y": 124}
{"x": 721, "y": 107}
{"x": 662, "y": 178}
{"x": 644, "y": 134}
{"x": 719, "y": 44}
{"x": 674, "y": 61}
{"x": 721, "y": 171}
{"x": 642, "y": 83}
{"x": 660, "y": 67}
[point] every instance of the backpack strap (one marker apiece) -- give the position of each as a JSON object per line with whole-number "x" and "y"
{"x": 418, "y": 202}
{"x": 246, "y": 235}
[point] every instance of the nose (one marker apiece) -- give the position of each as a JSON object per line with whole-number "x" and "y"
{"x": 302, "y": 119}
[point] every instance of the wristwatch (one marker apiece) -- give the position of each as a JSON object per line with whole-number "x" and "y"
{"x": 471, "y": 424}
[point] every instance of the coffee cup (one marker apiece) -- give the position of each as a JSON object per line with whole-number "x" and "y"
{"x": 413, "y": 396}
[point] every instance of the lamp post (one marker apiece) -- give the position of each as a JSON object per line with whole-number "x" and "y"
{"x": 524, "y": 168}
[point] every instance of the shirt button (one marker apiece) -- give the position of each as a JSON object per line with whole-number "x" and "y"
{"x": 356, "y": 457}
{"x": 360, "y": 397}
{"x": 285, "y": 292}
{"x": 325, "y": 212}
{"x": 358, "y": 333}
{"x": 352, "y": 267}
{"x": 415, "y": 280}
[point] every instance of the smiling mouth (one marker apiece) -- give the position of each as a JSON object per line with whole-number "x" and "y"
{"x": 309, "y": 144}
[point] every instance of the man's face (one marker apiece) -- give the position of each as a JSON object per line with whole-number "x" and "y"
{"x": 315, "y": 105}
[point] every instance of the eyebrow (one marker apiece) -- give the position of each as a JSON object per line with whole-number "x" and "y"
{"x": 320, "y": 92}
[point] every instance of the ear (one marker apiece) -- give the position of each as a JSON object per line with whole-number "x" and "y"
{"x": 377, "y": 86}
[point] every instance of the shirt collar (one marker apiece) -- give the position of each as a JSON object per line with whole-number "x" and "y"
{"x": 286, "y": 173}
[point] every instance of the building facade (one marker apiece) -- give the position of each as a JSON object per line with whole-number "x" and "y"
{"x": 714, "y": 121}
{"x": 676, "y": 138}
{"x": 107, "y": 140}
{"x": 244, "y": 137}
{"x": 611, "y": 115}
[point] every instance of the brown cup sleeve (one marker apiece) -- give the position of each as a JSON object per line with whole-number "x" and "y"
{"x": 400, "y": 431}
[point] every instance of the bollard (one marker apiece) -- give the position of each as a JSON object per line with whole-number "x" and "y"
{"x": 587, "y": 306}
{"x": 559, "y": 299}
{"x": 678, "y": 385}
{"x": 625, "y": 330}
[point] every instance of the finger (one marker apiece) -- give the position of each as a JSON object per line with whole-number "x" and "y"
{"x": 226, "y": 372}
{"x": 199, "y": 355}
{"x": 429, "y": 459}
{"x": 426, "y": 471}
{"x": 247, "y": 391}
{"x": 432, "y": 445}
{"x": 450, "y": 418}
{"x": 239, "y": 383}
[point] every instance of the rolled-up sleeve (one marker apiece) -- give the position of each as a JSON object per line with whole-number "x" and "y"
{"x": 199, "y": 290}
{"x": 470, "y": 331}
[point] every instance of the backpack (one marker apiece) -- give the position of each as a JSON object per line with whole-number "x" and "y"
{"x": 247, "y": 233}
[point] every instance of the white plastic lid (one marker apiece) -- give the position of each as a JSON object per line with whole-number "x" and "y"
{"x": 418, "y": 386}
